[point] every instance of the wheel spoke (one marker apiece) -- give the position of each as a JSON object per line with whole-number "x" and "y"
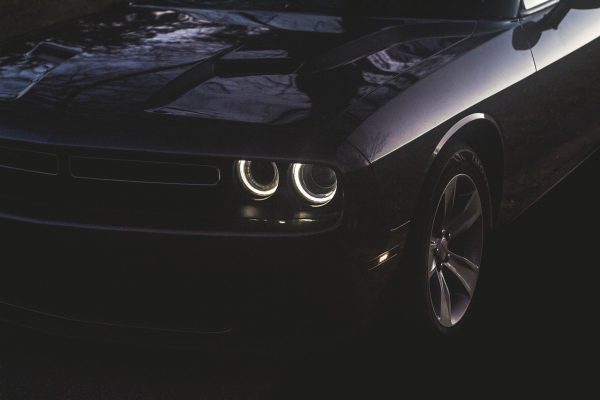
{"x": 467, "y": 217}
{"x": 432, "y": 262}
{"x": 465, "y": 270}
{"x": 449, "y": 199}
{"x": 458, "y": 227}
{"x": 445, "y": 301}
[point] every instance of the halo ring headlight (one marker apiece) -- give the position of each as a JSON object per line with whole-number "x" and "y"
{"x": 316, "y": 184}
{"x": 259, "y": 178}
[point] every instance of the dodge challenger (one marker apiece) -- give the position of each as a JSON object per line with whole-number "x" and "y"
{"x": 217, "y": 169}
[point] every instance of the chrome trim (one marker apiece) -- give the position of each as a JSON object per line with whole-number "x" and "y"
{"x": 525, "y": 12}
{"x": 461, "y": 124}
{"x": 404, "y": 225}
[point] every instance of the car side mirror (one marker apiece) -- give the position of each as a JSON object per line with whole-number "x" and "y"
{"x": 532, "y": 32}
{"x": 554, "y": 18}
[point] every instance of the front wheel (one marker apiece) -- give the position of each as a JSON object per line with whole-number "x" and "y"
{"x": 447, "y": 241}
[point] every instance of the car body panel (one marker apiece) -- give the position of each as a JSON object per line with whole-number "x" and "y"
{"x": 409, "y": 125}
{"x": 557, "y": 127}
{"x": 376, "y": 99}
{"x": 172, "y": 77}
{"x": 460, "y": 86}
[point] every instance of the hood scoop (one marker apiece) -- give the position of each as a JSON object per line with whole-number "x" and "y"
{"x": 53, "y": 53}
{"x": 21, "y": 74}
{"x": 228, "y": 64}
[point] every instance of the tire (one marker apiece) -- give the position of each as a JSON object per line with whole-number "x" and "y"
{"x": 436, "y": 265}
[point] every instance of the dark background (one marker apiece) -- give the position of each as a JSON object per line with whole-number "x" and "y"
{"x": 536, "y": 337}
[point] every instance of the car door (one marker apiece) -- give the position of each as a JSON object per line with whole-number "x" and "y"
{"x": 559, "y": 124}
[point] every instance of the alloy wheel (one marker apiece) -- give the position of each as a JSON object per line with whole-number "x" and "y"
{"x": 455, "y": 250}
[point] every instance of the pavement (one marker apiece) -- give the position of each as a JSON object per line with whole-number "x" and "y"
{"x": 534, "y": 335}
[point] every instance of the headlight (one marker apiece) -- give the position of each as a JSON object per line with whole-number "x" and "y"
{"x": 314, "y": 183}
{"x": 258, "y": 178}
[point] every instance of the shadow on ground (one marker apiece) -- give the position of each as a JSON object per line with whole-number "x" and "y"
{"x": 535, "y": 336}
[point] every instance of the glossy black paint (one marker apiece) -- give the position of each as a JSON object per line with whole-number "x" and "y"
{"x": 155, "y": 84}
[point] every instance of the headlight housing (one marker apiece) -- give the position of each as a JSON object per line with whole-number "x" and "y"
{"x": 316, "y": 184}
{"x": 259, "y": 178}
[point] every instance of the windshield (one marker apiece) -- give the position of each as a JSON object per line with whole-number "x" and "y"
{"x": 381, "y": 8}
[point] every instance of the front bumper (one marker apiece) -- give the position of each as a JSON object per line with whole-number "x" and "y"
{"x": 162, "y": 259}
{"x": 68, "y": 279}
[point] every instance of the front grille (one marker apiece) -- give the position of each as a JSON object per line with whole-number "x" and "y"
{"x": 120, "y": 189}
{"x": 28, "y": 161}
{"x": 135, "y": 171}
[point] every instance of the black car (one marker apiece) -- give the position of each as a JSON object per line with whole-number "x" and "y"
{"x": 236, "y": 168}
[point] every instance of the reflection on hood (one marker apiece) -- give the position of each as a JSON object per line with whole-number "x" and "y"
{"x": 252, "y": 67}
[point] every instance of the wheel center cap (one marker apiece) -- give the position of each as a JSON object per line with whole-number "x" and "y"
{"x": 442, "y": 250}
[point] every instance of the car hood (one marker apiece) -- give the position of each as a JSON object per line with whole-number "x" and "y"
{"x": 255, "y": 68}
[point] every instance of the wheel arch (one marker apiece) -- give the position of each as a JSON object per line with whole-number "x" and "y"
{"x": 483, "y": 133}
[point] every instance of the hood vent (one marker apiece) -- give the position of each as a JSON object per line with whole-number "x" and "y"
{"x": 53, "y": 53}
{"x": 30, "y": 68}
